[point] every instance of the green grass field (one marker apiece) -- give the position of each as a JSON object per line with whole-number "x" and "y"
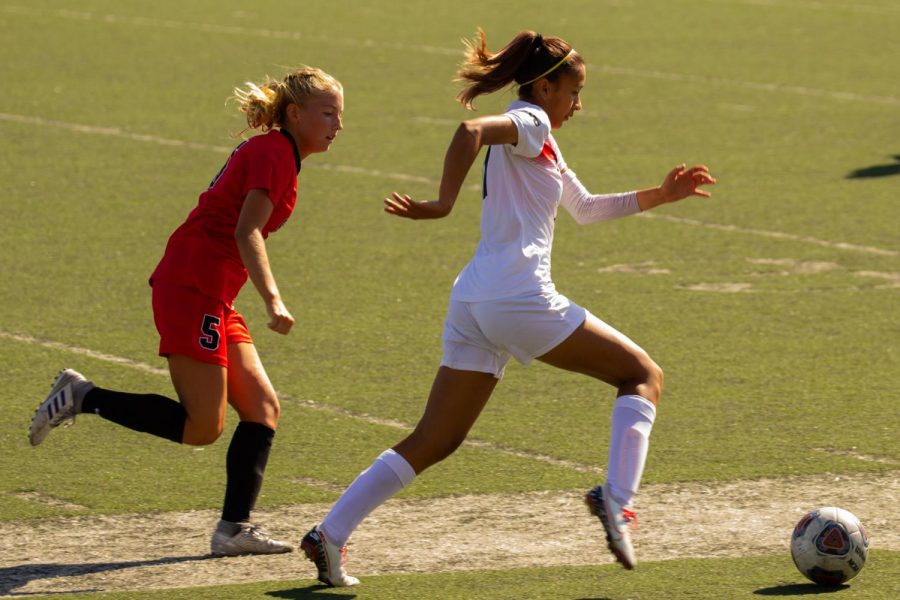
{"x": 771, "y": 306}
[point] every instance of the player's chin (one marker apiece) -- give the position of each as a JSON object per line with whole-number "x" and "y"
{"x": 325, "y": 145}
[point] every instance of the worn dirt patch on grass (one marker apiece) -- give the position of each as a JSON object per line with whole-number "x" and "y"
{"x": 168, "y": 550}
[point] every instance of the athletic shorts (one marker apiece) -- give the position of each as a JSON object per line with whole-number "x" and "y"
{"x": 195, "y": 325}
{"x": 482, "y": 336}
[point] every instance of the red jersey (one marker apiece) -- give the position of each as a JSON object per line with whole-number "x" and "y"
{"x": 202, "y": 252}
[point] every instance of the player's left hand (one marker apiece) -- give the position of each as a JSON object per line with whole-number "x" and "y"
{"x": 280, "y": 320}
{"x": 682, "y": 182}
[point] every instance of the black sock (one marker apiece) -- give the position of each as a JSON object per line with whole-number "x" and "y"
{"x": 148, "y": 413}
{"x": 245, "y": 464}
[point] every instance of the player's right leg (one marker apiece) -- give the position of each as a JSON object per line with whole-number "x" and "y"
{"x": 457, "y": 398}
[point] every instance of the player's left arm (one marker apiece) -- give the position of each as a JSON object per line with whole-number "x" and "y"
{"x": 468, "y": 140}
{"x": 680, "y": 183}
{"x": 251, "y": 244}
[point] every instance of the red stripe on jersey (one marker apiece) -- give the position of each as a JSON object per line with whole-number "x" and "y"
{"x": 549, "y": 153}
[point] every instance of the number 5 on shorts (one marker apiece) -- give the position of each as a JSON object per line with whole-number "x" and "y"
{"x": 209, "y": 335}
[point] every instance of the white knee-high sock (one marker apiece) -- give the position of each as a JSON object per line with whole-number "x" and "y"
{"x": 389, "y": 474}
{"x": 632, "y": 420}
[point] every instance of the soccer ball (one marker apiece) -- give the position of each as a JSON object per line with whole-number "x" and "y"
{"x": 829, "y": 546}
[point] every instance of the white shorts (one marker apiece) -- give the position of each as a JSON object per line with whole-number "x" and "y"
{"x": 482, "y": 336}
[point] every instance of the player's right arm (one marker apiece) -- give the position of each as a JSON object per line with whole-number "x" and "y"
{"x": 470, "y": 136}
{"x": 255, "y": 213}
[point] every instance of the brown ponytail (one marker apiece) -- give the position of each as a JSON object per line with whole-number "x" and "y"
{"x": 528, "y": 57}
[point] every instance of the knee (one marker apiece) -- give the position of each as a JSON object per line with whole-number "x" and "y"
{"x": 646, "y": 380}
{"x": 202, "y": 434}
{"x": 272, "y": 409}
{"x": 654, "y": 383}
{"x": 266, "y": 411}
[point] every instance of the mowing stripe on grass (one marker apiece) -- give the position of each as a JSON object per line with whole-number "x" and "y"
{"x": 117, "y": 132}
{"x": 382, "y": 43}
{"x": 311, "y": 404}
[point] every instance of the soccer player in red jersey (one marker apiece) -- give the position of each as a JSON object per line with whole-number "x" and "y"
{"x": 211, "y": 356}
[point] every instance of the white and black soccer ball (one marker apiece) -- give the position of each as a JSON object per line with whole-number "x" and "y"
{"x": 829, "y": 546}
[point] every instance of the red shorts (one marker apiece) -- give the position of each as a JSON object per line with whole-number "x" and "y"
{"x": 196, "y": 325}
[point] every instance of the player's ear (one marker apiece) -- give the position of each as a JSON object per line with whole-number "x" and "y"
{"x": 294, "y": 112}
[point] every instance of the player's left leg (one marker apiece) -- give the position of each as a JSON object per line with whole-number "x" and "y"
{"x": 598, "y": 350}
{"x": 251, "y": 394}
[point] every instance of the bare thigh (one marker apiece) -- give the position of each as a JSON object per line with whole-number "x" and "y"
{"x": 201, "y": 388}
{"x": 599, "y": 350}
{"x": 456, "y": 399}
{"x": 249, "y": 390}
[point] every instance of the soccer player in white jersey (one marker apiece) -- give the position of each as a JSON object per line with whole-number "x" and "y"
{"x": 504, "y": 303}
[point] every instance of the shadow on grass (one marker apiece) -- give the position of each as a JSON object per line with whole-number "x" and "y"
{"x": 877, "y": 170}
{"x": 800, "y": 589}
{"x": 12, "y": 578}
{"x": 312, "y": 592}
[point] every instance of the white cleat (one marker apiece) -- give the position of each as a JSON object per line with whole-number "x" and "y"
{"x": 329, "y": 559}
{"x": 249, "y": 539}
{"x": 616, "y": 520}
{"x": 60, "y": 406}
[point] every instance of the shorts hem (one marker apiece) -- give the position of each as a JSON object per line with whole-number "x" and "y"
{"x": 210, "y": 360}
{"x": 466, "y": 366}
{"x": 559, "y": 340}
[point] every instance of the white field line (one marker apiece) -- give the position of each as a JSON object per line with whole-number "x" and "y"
{"x": 777, "y": 88}
{"x": 120, "y": 133}
{"x": 772, "y": 234}
{"x": 155, "y": 139}
{"x": 118, "y": 360}
{"x": 813, "y": 5}
{"x": 293, "y": 35}
{"x": 311, "y": 404}
{"x": 152, "y": 22}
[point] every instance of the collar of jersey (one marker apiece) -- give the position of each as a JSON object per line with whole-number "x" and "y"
{"x": 288, "y": 135}
{"x": 522, "y": 104}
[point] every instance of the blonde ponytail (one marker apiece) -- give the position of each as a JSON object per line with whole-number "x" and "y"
{"x": 259, "y": 104}
{"x": 264, "y": 104}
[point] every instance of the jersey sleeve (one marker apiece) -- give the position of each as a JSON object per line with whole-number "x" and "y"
{"x": 534, "y": 129}
{"x": 261, "y": 171}
{"x": 590, "y": 208}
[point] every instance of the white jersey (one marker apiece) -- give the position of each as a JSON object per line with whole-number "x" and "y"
{"x": 522, "y": 188}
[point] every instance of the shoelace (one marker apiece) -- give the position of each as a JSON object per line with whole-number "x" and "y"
{"x": 259, "y": 533}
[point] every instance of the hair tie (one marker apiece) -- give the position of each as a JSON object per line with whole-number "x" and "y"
{"x": 538, "y": 42}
